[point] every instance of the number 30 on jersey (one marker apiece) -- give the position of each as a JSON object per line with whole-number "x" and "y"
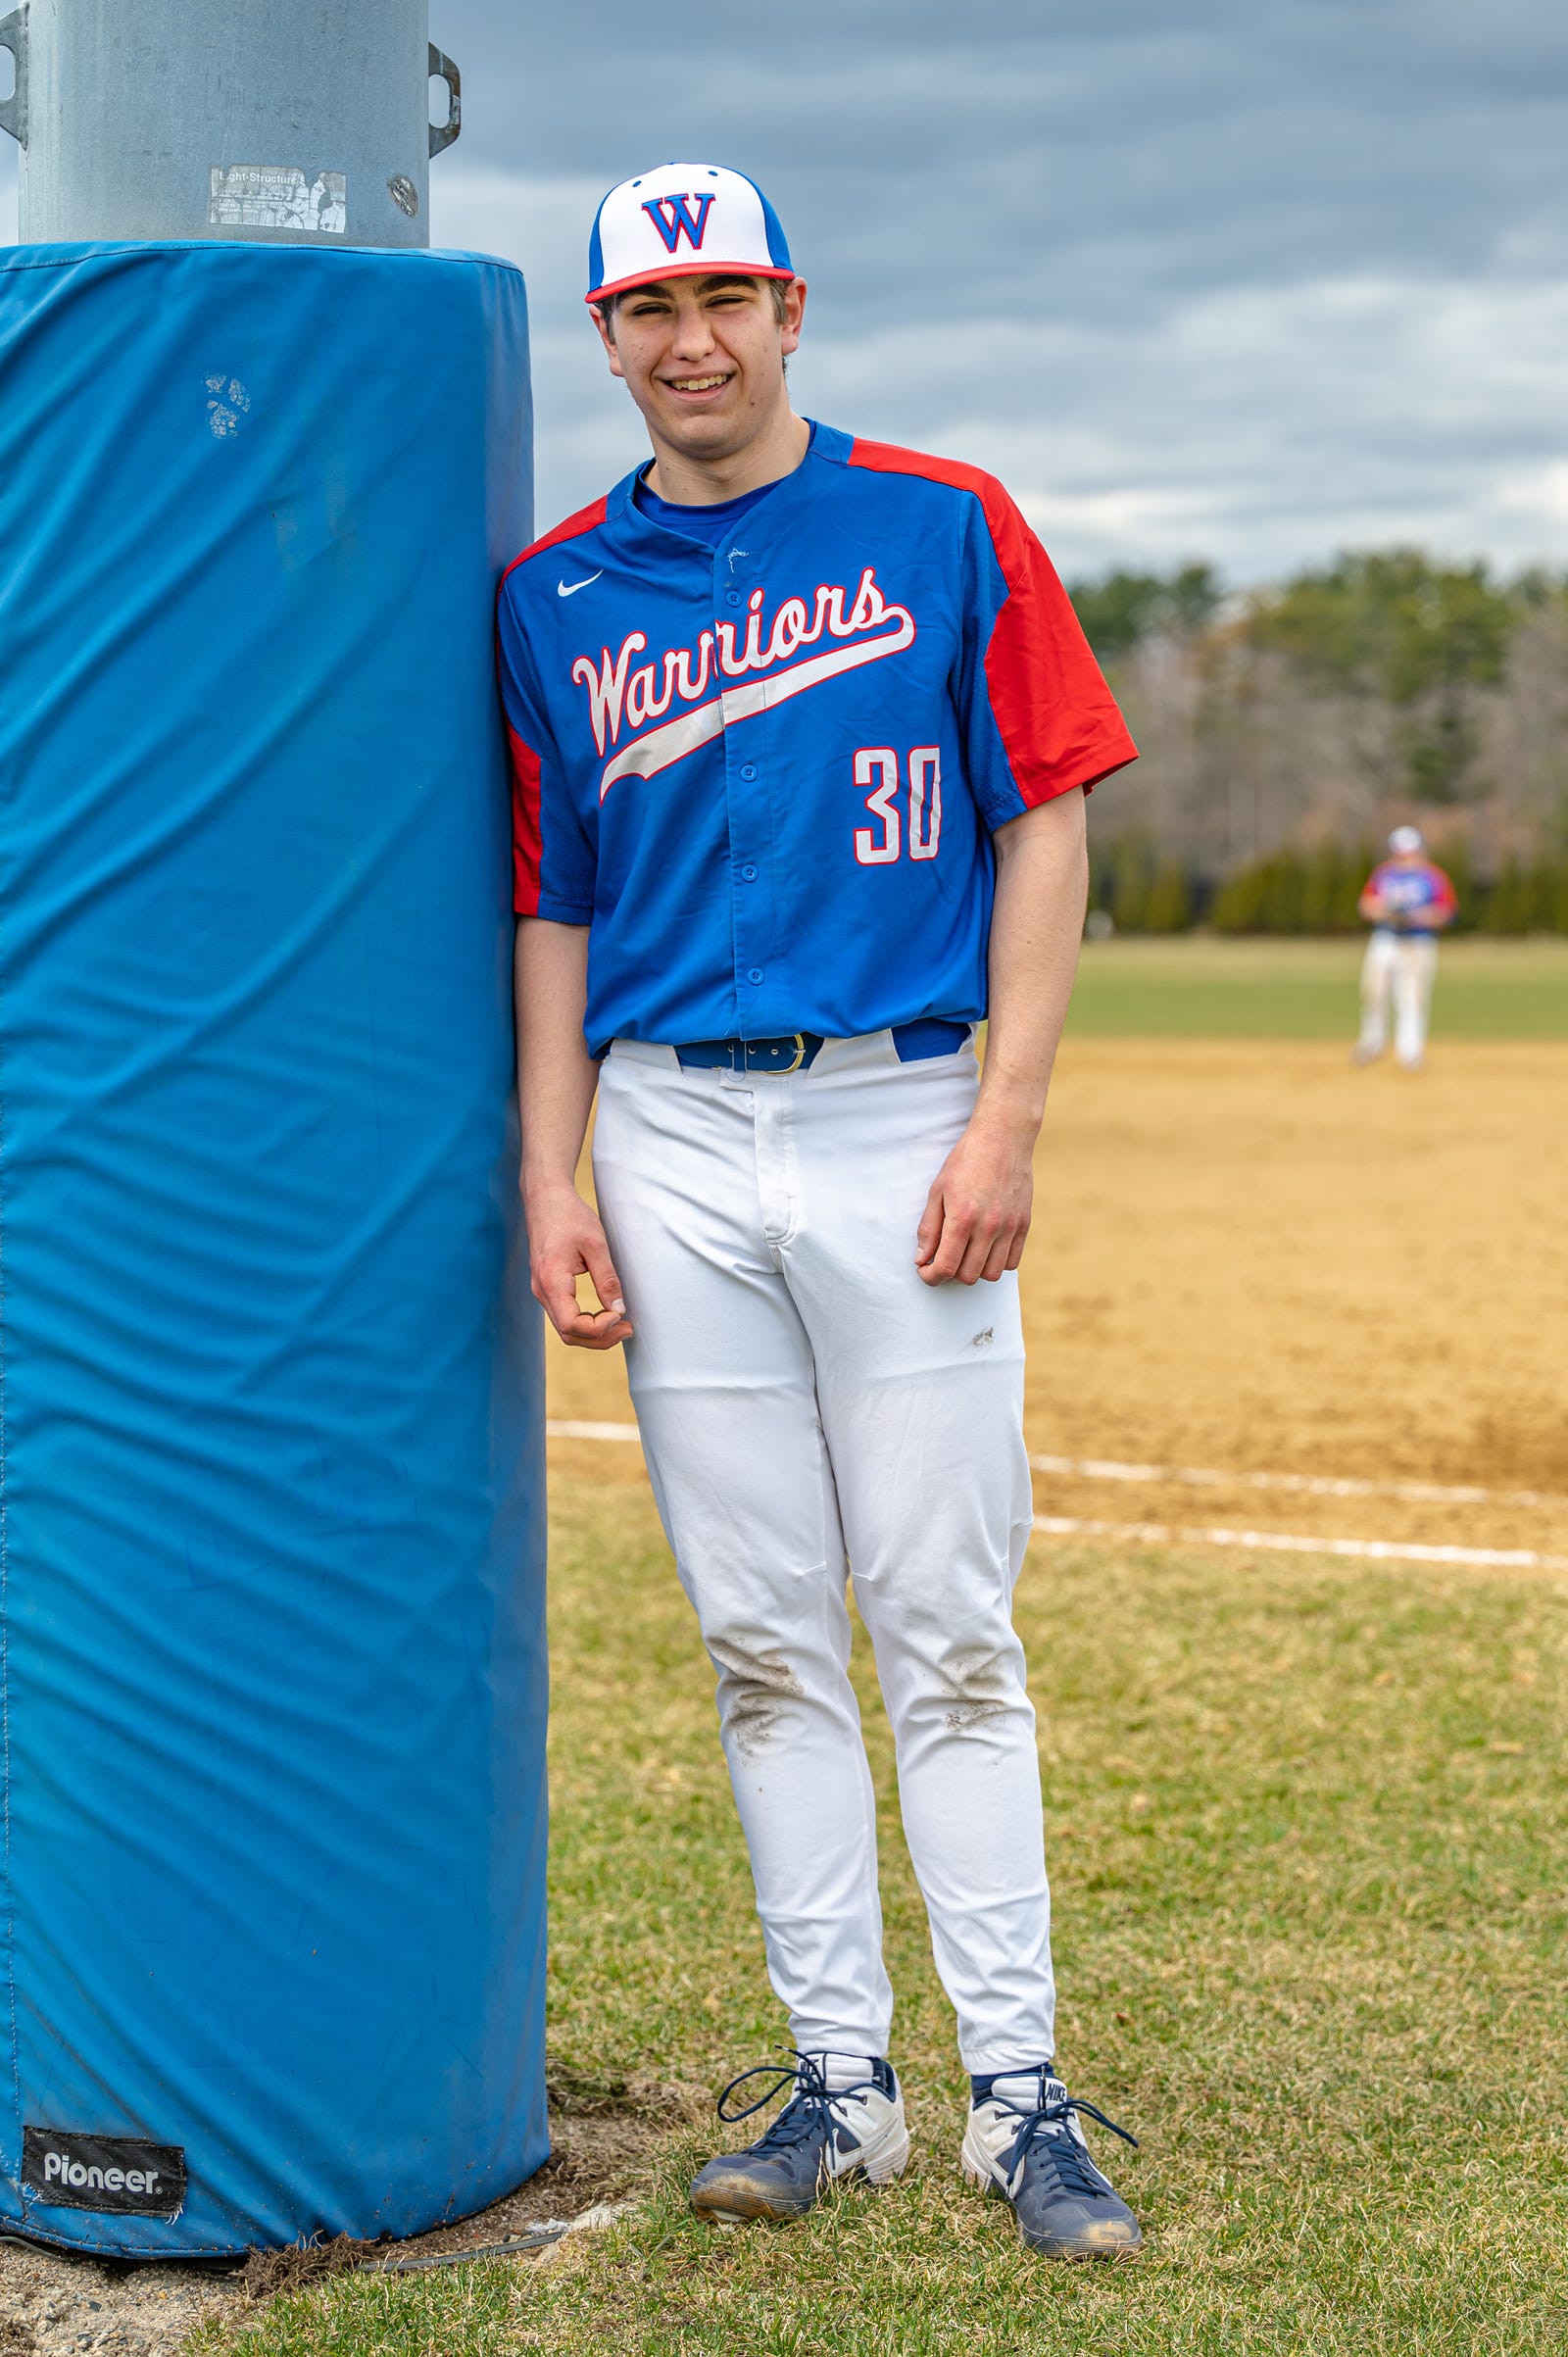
{"x": 878, "y": 767}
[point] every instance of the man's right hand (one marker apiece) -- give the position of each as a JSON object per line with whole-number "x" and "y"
{"x": 566, "y": 1241}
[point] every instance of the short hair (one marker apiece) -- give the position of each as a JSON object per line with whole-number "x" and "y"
{"x": 778, "y": 289}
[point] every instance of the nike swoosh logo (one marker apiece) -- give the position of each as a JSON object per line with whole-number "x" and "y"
{"x": 569, "y": 589}
{"x": 661, "y": 747}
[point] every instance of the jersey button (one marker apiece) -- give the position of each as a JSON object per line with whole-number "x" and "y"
{"x": 748, "y": 771}
{"x": 747, "y": 875}
{"x": 754, "y": 974}
{"x": 732, "y": 597}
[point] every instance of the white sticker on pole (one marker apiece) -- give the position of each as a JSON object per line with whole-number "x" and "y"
{"x": 275, "y": 196}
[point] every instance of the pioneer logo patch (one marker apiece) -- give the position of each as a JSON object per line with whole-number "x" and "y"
{"x": 72, "y": 2172}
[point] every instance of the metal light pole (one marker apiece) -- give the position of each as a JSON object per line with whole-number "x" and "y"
{"x": 272, "y": 1629}
{"x": 277, "y": 121}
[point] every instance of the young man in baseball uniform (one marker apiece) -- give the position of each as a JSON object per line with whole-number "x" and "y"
{"x": 800, "y": 729}
{"x": 1408, "y": 901}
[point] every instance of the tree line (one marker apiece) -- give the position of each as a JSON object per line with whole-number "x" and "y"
{"x": 1311, "y": 888}
{"x": 1285, "y": 729}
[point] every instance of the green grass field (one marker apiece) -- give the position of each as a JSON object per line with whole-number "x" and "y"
{"x": 1196, "y": 987}
{"x": 1306, "y": 1826}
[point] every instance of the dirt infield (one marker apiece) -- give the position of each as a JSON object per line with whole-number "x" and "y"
{"x": 1250, "y": 1259}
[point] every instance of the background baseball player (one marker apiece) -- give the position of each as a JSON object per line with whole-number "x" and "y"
{"x": 800, "y": 728}
{"x": 1408, "y": 901}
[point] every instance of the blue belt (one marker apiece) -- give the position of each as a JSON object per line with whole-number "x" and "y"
{"x": 797, "y": 1051}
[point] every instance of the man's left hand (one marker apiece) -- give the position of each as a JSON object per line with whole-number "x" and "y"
{"x": 976, "y": 1218}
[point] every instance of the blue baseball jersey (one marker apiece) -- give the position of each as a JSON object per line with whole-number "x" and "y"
{"x": 1416, "y": 899}
{"x": 765, "y": 773}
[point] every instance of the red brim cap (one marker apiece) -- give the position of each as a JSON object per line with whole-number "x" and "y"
{"x": 684, "y": 221}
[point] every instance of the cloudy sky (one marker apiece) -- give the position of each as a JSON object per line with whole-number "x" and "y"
{"x": 1248, "y": 280}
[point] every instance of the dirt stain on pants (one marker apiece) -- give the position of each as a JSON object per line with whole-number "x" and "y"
{"x": 754, "y": 1693}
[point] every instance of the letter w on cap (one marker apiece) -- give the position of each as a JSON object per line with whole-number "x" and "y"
{"x": 679, "y": 222}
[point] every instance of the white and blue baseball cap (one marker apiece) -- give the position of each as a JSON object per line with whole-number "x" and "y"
{"x": 684, "y": 221}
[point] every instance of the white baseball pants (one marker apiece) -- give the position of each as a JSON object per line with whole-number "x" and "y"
{"x": 810, "y": 1408}
{"x": 1402, "y": 967}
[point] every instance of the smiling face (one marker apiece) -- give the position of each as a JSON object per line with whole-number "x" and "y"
{"x": 704, "y": 360}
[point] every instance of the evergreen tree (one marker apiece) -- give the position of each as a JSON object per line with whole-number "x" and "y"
{"x": 1285, "y": 896}
{"x": 1397, "y": 625}
{"x": 1546, "y": 885}
{"x": 1168, "y": 904}
{"x": 1559, "y": 899}
{"x": 1123, "y": 609}
{"x": 1239, "y": 900}
{"x": 1509, "y": 905}
{"x": 1324, "y": 887}
{"x": 1131, "y": 875}
{"x": 1454, "y": 860}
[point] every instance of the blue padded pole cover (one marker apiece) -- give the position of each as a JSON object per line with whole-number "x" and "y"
{"x": 270, "y": 1468}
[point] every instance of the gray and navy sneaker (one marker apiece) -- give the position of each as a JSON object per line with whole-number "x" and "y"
{"x": 1023, "y": 2143}
{"x": 845, "y": 2119}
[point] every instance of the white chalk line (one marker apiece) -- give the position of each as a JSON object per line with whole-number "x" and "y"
{"x": 1279, "y": 1542}
{"x": 1308, "y": 1485}
{"x": 1286, "y": 1543}
{"x": 1210, "y": 1477}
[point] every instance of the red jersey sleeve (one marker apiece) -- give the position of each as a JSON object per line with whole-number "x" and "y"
{"x": 555, "y": 865}
{"x": 1037, "y": 713}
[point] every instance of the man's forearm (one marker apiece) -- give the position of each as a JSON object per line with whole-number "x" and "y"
{"x": 555, "y": 1075}
{"x": 977, "y": 1214}
{"x": 1036, "y": 927}
{"x": 556, "y": 1081}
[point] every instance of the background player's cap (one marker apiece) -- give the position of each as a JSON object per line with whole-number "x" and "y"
{"x": 1406, "y": 839}
{"x": 684, "y": 221}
